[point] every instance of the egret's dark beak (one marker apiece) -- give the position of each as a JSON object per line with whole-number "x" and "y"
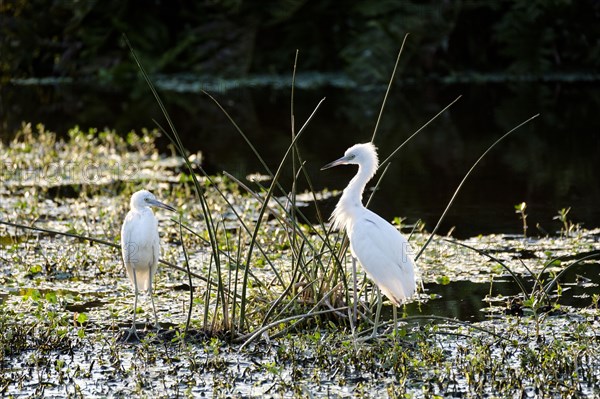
{"x": 161, "y": 205}
{"x": 342, "y": 161}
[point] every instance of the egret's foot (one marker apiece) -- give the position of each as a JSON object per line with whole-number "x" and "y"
{"x": 132, "y": 335}
{"x": 361, "y": 313}
{"x": 374, "y": 334}
{"x": 148, "y": 326}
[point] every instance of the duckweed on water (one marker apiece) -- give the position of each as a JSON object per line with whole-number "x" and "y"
{"x": 65, "y": 301}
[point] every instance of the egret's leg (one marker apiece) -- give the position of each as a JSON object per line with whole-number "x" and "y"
{"x": 151, "y": 271}
{"x": 156, "y": 325}
{"x": 395, "y": 312}
{"x": 354, "y": 290}
{"x": 377, "y": 312}
{"x": 352, "y": 326}
{"x": 132, "y": 330}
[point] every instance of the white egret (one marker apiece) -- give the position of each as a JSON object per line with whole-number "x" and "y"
{"x": 380, "y": 248}
{"x": 140, "y": 246}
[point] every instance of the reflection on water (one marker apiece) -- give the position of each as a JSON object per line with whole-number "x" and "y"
{"x": 466, "y": 300}
{"x": 550, "y": 164}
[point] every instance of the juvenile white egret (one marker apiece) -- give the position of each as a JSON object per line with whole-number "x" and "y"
{"x": 382, "y": 251}
{"x": 140, "y": 246}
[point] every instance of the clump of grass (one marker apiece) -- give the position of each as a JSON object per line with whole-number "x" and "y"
{"x": 233, "y": 313}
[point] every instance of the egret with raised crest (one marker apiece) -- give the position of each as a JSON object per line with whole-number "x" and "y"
{"x": 379, "y": 247}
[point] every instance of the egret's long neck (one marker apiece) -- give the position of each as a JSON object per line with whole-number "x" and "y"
{"x": 351, "y": 200}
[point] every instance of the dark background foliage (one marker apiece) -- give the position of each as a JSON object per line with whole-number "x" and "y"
{"x": 360, "y": 38}
{"x": 508, "y": 59}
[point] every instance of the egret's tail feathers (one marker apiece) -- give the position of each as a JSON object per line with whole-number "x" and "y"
{"x": 399, "y": 293}
{"x": 395, "y": 299}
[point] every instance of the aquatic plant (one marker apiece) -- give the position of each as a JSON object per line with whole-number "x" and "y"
{"x": 568, "y": 227}
{"x": 520, "y": 210}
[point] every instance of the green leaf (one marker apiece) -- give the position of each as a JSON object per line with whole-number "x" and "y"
{"x": 35, "y": 269}
{"x": 32, "y": 294}
{"x": 555, "y": 262}
{"x": 520, "y": 207}
{"x": 82, "y": 318}
{"x": 529, "y": 302}
{"x": 443, "y": 280}
{"x": 51, "y": 297}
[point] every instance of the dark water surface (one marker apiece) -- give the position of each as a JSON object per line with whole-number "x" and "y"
{"x": 551, "y": 163}
{"x": 469, "y": 301}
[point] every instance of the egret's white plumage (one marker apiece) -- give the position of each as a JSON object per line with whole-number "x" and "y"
{"x": 140, "y": 245}
{"x": 379, "y": 247}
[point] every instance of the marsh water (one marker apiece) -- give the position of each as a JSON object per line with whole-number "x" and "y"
{"x": 552, "y": 163}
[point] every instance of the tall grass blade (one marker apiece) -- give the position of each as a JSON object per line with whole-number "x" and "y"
{"x": 465, "y": 179}
{"x": 387, "y": 91}
{"x": 377, "y": 184}
{"x": 189, "y": 274}
{"x": 241, "y": 132}
{"x": 294, "y": 150}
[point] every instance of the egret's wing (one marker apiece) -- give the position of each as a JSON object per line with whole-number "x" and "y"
{"x": 128, "y": 247}
{"x": 385, "y": 255}
{"x": 156, "y": 256}
{"x": 140, "y": 247}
